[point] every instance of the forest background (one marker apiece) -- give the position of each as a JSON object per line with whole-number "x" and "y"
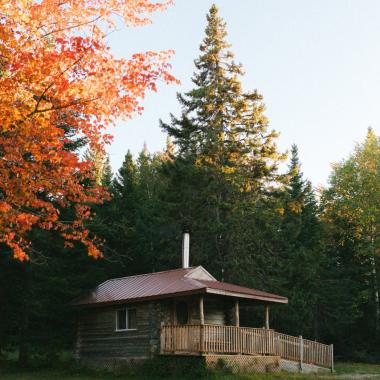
{"x": 254, "y": 219}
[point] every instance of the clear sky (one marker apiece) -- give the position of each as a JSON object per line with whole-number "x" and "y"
{"x": 317, "y": 64}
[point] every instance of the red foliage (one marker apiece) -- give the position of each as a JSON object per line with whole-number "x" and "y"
{"x": 55, "y": 66}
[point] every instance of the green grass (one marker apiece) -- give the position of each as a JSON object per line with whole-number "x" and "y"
{"x": 358, "y": 368}
{"x": 343, "y": 371}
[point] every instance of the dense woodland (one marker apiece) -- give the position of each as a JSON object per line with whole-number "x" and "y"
{"x": 252, "y": 222}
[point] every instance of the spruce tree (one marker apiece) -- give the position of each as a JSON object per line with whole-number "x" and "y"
{"x": 221, "y": 126}
{"x": 125, "y": 180}
{"x": 115, "y": 220}
{"x": 129, "y": 221}
{"x": 226, "y": 154}
{"x": 124, "y": 209}
{"x": 300, "y": 247}
{"x": 107, "y": 173}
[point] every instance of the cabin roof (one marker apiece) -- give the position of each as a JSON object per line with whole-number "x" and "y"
{"x": 170, "y": 283}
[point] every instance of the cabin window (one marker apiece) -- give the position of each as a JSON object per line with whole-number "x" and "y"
{"x": 126, "y": 319}
{"x": 182, "y": 313}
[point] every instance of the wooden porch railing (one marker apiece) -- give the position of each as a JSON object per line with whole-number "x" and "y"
{"x": 216, "y": 339}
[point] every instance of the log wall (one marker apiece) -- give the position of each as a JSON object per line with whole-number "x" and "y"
{"x": 97, "y": 336}
{"x": 96, "y": 328}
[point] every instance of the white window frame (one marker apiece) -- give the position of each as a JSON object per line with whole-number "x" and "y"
{"x": 126, "y": 318}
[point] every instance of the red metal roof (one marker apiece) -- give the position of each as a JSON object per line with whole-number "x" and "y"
{"x": 167, "y": 284}
{"x": 225, "y": 288}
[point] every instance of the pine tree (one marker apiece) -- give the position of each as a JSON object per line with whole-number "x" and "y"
{"x": 115, "y": 220}
{"x": 107, "y": 173}
{"x": 128, "y": 222}
{"x": 225, "y": 153}
{"x": 221, "y": 126}
{"x": 123, "y": 237}
{"x": 125, "y": 180}
{"x": 300, "y": 247}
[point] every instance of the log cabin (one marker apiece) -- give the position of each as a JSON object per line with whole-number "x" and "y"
{"x": 184, "y": 312}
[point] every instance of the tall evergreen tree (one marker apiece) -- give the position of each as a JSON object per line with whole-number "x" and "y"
{"x": 130, "y": 223}
{"x": 221, "y": 126}
{"x": 300, "y": 246}
{"x": 148, "y": 219}
{"x": 226, "y": 154}
{"x": 107, "y": 173}
{"x": 116, "y": 220}
{"x": 124, "y": 182}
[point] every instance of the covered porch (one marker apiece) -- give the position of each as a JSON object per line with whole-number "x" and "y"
{"x": 226, "y": 308}
{"x": 210, "y": 324}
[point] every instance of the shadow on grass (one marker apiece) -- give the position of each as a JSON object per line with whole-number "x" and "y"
{"x": 160, "y": 369}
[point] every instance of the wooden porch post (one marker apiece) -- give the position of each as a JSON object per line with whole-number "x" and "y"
{"x": 201, "y": 311}
{"x": 267, "y": 317}
{"x": 301, "y": 352}
{"x": 237, "y": 315}
{"x": 202, "y": 322}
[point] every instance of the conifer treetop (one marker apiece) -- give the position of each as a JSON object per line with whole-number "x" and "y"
{"x": 222, "y": 126}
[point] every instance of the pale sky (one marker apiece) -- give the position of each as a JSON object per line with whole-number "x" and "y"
{"x": 317, "y": 64}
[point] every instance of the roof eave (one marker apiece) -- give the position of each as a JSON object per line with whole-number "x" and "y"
{"x": 140, "y": 299}
{"x": 281, "y": 300}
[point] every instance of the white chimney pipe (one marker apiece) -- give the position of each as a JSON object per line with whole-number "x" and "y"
{"x": 185, "y": 249}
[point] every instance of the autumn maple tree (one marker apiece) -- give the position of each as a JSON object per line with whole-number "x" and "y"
{"x": 57, "y": 69}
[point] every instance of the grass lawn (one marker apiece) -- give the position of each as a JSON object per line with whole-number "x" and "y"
{"x": 343, "y": 371}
